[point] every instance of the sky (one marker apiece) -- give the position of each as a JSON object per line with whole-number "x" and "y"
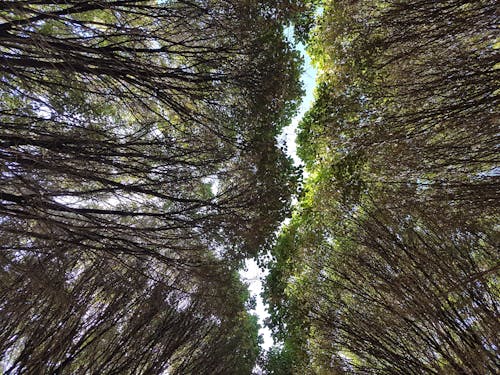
{"x": 253, "y": 275}
{"x": 308, "y": 79}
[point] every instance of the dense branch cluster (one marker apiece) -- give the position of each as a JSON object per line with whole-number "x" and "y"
{"x": 138, "y": 168}
{"x": 390, "y": 263}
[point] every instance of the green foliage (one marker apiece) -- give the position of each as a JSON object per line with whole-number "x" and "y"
{"x": 390, "y": 262}
{"x": 278, "y": 361}
{"x": 139, "y": 168}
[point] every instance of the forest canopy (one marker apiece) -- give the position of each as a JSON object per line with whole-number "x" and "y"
{"x": 390, "y": 262}
{"x": 141, "y": 167}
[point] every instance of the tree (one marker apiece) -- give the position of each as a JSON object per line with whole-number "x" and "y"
{"x": 130, "y": 178}
{"x": 390, "y": 263}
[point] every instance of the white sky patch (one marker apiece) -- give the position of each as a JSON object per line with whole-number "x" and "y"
{"x": 214, "y": 184}
{"x": 253, "y": 275}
